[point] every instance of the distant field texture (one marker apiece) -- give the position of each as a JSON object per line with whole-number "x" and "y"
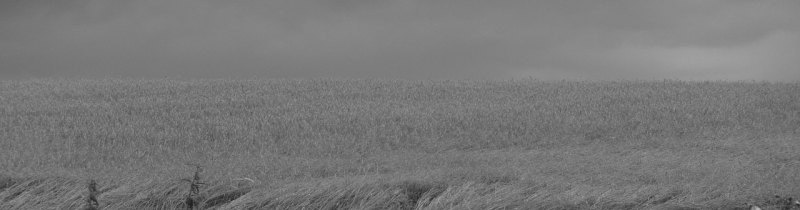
{"x": 394, "y": 144}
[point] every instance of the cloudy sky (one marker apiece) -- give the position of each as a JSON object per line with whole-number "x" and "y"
{"x": 406, "y": 39}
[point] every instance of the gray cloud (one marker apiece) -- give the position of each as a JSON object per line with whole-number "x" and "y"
{"x": 416, "y": 39}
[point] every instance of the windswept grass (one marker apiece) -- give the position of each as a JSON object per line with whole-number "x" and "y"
{"x": 378, "y": 144}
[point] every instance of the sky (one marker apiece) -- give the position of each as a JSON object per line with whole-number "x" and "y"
{"x": 402, "y": 39}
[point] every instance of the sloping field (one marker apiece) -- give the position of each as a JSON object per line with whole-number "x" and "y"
{"x": 384, "y": 144}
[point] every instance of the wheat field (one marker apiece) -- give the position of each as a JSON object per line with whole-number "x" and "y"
{"x": 398, "y": 144}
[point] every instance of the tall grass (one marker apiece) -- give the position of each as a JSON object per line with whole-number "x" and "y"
{"x": 529, "y": 143}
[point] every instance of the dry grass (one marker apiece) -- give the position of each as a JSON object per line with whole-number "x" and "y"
{"x": 381, "y": 144}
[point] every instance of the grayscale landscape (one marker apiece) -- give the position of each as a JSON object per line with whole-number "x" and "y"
{"x": 399, "y": 104}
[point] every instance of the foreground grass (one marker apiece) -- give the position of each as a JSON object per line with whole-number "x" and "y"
{"x": 379, "y": 144}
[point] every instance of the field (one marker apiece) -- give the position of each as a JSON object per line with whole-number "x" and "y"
{"x": 393, "y": 144}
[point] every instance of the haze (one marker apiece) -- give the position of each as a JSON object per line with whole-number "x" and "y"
{"x": 403, "y": 39}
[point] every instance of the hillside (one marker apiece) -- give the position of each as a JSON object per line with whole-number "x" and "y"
{"x": 378, "y": 144}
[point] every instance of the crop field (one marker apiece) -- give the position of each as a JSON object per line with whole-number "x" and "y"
{"x": 397, "y": 144}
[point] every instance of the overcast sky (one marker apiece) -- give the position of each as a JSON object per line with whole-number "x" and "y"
{"x": 404, "y": 39}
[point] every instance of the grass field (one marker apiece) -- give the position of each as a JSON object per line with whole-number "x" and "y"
{"x": 385, "y": 144}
